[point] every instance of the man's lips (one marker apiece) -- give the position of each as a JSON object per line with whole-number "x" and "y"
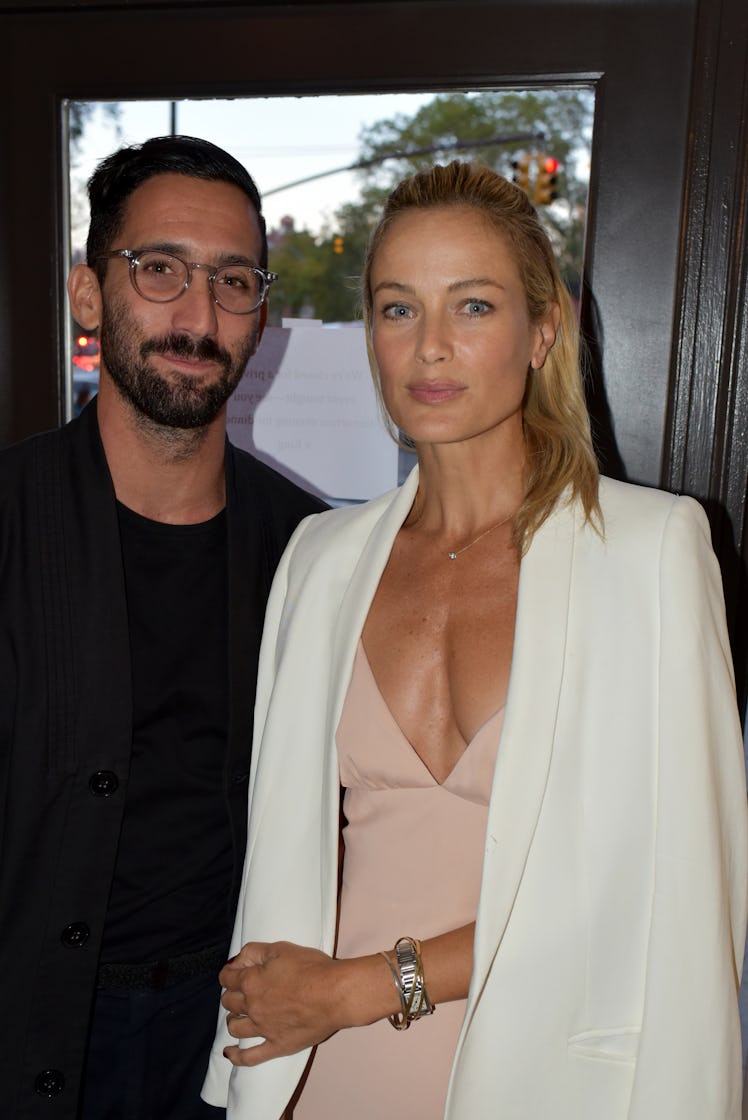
{"x": 191, "y": 363}
{"x": 189, "y": 355}
{"x": 433, "y": 392}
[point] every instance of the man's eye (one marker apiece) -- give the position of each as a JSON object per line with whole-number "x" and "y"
{"x": 158, "y": 266}
{"x": 231, "y": 280}
{"x": 239, "y": 280}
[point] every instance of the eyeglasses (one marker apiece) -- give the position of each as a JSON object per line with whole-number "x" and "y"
{"x": 161, "y": 277}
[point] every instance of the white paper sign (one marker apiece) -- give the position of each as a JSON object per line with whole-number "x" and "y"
{"x": 306, "y": 406}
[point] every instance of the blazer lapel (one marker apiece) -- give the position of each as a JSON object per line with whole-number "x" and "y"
{"x": 526, "y": 746}
{"x": 363, "y": 584}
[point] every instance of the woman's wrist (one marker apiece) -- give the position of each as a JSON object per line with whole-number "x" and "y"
{"x": 409, "y": 981}
{"x": 365, "y": 990}
{"x": 389, "y": 984}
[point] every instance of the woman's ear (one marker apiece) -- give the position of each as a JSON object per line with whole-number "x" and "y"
{"x": 547, "y": 329}
{"x": 84, "y": 293}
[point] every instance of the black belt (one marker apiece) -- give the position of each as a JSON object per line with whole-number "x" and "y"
{"x": 161, "y": 974}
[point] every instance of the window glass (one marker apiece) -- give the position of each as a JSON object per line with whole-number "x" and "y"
{"x": 323, "y": 166}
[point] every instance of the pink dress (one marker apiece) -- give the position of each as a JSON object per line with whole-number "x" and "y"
{"x": 413, "y": 857}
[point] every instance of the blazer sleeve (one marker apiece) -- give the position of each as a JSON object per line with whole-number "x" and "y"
{"x": 689, "y": 1062}
{"x": 220, "y": 1074}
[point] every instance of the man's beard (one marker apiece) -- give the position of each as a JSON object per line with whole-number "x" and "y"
{"x": 178, "y": 400}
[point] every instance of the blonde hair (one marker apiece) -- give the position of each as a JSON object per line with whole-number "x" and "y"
{"x": 556, "y": 422}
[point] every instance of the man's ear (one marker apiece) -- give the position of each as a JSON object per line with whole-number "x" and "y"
{"x": 84, "y": 293}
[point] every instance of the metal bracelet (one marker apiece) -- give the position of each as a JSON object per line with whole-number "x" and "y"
{"x": 400, "y": 1019}
{"x": 410, "y": 968}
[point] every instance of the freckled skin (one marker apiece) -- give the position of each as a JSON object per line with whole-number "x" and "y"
{"x": 453, "y": 341}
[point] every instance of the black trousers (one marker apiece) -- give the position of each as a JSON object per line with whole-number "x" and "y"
{"x": 148, "y": 1053}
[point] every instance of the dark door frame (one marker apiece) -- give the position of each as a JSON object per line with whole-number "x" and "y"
{"x": 706, "y": 448}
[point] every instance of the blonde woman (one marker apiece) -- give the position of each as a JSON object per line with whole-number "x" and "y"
{"x": 518, "y": 676}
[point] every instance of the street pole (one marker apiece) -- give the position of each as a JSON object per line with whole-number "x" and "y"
{"x": 455, "y": 145}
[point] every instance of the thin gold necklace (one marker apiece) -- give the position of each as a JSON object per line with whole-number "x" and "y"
{"x": 458, "y": 551}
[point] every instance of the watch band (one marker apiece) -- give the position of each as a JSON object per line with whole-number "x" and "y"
{"x": 410, "y": 967}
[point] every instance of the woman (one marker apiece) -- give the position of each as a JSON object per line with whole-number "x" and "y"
{"x": 519, "y": 674}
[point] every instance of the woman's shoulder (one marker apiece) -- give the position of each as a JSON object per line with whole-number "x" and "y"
{"x": 329, "y": 533}
{"x": 646, "y": 509}
{"x": 646, "y": 531}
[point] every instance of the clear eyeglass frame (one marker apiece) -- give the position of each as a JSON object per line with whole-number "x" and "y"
{"x": 134, "y": 257}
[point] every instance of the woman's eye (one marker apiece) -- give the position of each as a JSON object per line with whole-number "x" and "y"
{"x": 396, "y": 311}
{"x": 476, "y": 307}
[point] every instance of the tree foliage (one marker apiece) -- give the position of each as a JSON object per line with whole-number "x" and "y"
{"x": 442, "y": 125}
{"x": 563, "y": 116}
{"x": 81, "y": 112}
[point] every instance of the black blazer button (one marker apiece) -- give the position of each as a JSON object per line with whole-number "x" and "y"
{"x": 103, "y": 783}
{"x": 49, "y": 1083}
{"x": 75, "y": 935}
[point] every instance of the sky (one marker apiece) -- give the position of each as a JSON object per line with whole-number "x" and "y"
{"x": 278, "y": 139}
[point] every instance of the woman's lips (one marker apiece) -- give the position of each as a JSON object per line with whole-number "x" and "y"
{"x": 433, "y": 392}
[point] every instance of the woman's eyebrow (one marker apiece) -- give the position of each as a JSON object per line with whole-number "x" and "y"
{"x": 475, "y": 282}
{"x": 395, "y": 286}
{"x": 455, "y": 286}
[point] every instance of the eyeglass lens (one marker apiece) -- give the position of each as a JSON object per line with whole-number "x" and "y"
{"x": 161, "y": 277}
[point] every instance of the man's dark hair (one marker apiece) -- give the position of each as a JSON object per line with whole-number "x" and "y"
{"x": 117, "y": 176}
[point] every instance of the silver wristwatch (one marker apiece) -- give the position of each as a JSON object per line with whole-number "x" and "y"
{"x": 407, "y": 952}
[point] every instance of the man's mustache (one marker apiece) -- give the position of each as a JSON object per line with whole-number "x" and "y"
{"x": 182, "y": 346}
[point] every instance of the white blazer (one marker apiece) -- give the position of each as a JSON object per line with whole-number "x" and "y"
{"x": 612, "y": 913}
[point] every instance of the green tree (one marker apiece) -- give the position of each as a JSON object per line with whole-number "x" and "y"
{"x": 318, "y": 277}
{"x": 563, "y": 116}
{"x": 450, "y": 120}
{"x": 295, "y": 256}
{"x": 328, "y": 282}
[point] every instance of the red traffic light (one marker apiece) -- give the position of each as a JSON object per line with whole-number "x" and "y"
{"x": 546, "y": 179}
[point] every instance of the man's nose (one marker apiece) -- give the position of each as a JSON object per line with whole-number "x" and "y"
{"x": 196, "y": 311}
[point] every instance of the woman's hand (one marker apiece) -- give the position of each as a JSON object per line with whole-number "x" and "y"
{"x": 290, "y": 996}
{"x": 293, "y": 997}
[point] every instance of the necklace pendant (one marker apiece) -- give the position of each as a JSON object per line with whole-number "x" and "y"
{"x": 452, "y": 555}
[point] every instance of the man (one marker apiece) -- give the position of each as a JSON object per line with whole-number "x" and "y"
{"x": 137, "y": 548}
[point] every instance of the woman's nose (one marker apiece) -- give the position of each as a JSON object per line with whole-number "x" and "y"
{"x": 433, "y": 343}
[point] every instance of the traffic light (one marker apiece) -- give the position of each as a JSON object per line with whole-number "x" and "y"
{"x": 338, "y": 245}
{"x": 521, "y": 174}
{"x": 546, "y": 180}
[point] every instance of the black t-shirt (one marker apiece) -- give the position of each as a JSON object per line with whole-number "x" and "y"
{"x": 174, "y": 863}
